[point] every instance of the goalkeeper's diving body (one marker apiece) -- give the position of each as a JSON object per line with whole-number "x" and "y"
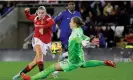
{"x": 75, "y": 54}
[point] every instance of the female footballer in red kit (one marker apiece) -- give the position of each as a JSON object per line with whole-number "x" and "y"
{"x": 41, "y": 40}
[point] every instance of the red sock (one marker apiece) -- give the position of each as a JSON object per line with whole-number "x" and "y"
{"x": 27, "y": 69}
{"x": 40, "y": 65}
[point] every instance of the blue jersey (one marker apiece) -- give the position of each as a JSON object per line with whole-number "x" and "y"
{"x": 64, "y": 17}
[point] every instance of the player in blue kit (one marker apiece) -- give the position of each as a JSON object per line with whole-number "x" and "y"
{"x": 65, "y": 17}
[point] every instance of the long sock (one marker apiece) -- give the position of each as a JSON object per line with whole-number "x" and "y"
{"x": 40, "y": 65}
{"x": 92, "y": 63}
{"x": 43, "y": 74}
{"x": 27, "y": 69}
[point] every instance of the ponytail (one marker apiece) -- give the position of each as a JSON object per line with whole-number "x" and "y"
{"x": 78, "y": 21}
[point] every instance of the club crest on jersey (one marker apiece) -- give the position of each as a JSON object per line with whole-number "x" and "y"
{"x": 41, "y": 21}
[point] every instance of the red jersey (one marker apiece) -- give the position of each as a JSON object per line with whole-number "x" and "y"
{"x": 46, "y": 24}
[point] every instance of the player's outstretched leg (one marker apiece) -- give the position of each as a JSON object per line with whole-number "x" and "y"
{"x": 94, "y": 63}
{"x": 25, "y": 70}
{"x": 28, "y": 68}
{"x": 39, "y": 58}
{"x": 43, "y": 74}
{"x": 110, "y": 63}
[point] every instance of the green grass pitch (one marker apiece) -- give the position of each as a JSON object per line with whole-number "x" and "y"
{"x": 124, "y": 71}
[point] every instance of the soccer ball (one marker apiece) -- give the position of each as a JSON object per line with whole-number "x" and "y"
{"x": 56, "y": 48}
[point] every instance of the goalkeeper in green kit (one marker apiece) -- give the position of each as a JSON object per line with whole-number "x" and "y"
{"x": 75, "y": 54}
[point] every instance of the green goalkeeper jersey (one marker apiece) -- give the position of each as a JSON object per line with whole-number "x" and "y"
{"x": 75, "y": 51}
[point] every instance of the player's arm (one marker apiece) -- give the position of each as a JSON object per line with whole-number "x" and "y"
{"x": 88, "y": 41}
{"x": 59, "y": 17}
{"x": 86, "y": 38}
{"x": 77, "y": 39}
{"x": 28, "y": 15}
{"x": 80, "y": 40}
{"x": 85, "y": 41}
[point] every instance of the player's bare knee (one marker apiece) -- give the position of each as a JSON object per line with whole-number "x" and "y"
{"x": 57, "y": 67}
{"x": 40, "y": 54}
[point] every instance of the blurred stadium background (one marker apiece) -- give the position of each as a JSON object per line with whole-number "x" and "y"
{"x": 116, "y": 24}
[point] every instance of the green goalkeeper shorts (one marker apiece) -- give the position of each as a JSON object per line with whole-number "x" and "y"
{"x": 66, "y": 65}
